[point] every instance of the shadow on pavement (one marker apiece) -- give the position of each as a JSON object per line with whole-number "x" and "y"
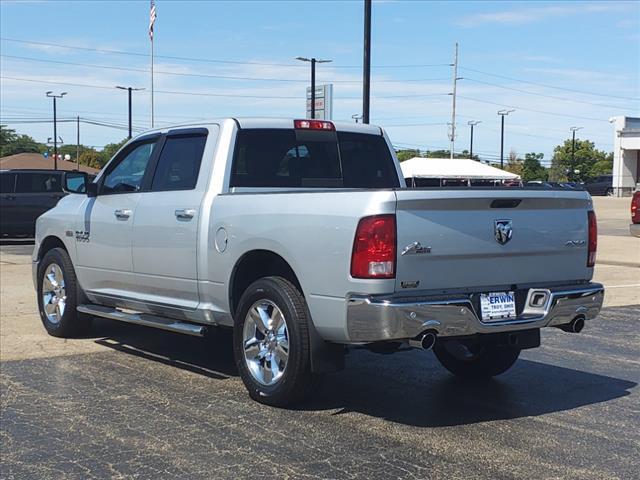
{"x": 211, "y": 356}
{"x": 409, "y": 388}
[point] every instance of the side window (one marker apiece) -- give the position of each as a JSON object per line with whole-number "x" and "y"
{"x": 7, "y": 182}
{"x": 127, "y": 175}
{"x": 179, "y": 163}
{"x": 38, "y": 183}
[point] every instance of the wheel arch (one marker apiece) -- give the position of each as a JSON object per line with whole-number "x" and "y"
{"x": 256, "y": 264}
{"x": 49, "y": 243}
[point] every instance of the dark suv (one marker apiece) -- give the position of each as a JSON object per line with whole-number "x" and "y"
{"x": 24, "y": 196}
{"x": 600, "y": 185}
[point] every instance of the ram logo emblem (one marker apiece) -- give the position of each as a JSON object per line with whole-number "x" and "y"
{"x": 503, "y": 230}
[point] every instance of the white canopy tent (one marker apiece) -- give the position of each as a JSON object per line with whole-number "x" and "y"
{"x": 457, "y": 168}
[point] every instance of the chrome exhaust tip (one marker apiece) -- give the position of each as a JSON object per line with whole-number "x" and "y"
{"x": 576, "y": 325}
{"x": 426, "y": 341}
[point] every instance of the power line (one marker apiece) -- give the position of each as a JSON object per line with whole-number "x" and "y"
{"x": 209, "y": 94}
{"x": 541, "y": 94}
{"x": 206, "y": 60}
{"x": 573, "y": 90}
{"x": 202, "y": 75}
{"x": 536, "y": 111}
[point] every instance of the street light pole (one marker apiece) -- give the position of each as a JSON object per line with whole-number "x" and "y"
{"x": 502, "y": 113}
{"x": 366, "y": 64}
{"x": 313, "y": 62}
{"x": 472, "y": 123}
{"x": 55, "y": 127}
{"x": 129, "y": 89}
{"x": 573, "y": 152}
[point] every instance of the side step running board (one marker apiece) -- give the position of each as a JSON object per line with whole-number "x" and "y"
{"x": 145, "y": 319}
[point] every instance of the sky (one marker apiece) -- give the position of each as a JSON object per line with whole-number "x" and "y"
{"x": 557, "y": 64}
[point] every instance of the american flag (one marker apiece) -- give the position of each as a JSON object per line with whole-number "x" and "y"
{"x": 152, "y": 18}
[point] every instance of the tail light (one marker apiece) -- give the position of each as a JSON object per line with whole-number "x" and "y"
{"x": 374, "y": 248}
{"x": 593, "y": 239}
{"x": 313, "y": 125}
{"x": 635, "y": 208}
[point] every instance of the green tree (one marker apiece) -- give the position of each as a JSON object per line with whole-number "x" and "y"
{"x": 514, "y": 164}
{"x": 91, "y": 158}
{"x": 407, "y": 154}
{"x": 110, "y": 150}
{"x": 12, "y": 143}
{"x": 602, "y": 167}
{"x": 584, "y": 165}
{"x": 532, "y": 169}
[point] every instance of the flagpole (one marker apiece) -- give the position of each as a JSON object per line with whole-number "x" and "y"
{"x": 152, "y": 21}
{"x": 152, "y": 109}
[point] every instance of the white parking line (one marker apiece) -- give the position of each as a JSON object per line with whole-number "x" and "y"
{"x": 623, "y": 286}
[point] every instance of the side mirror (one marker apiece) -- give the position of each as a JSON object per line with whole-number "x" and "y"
{"x": 75, "y": 182}
{"x": 92, "y": 190}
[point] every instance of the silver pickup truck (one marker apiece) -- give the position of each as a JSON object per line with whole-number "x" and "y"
{"x": 302, "y": 237}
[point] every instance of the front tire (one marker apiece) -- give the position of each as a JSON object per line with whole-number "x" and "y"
{"x": 478, "y": 360}
{"x": 271, "y": 342}
{"x": 59, "y": 295}
{"x": 608, "y": 192}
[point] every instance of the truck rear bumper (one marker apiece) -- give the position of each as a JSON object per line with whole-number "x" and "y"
{"x": 372, "y": 318}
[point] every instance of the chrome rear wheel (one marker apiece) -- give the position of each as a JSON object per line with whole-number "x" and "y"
{"x": 266, "y": 342}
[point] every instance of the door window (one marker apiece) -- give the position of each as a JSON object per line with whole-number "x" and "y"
{"x": 7, "y": 182}
{"x": 126, "y": 176}
{"x": 38, "y": 183}
{"x": 179, "y": 163}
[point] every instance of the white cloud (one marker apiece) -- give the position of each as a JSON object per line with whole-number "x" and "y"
{"x": 538, "y": 14}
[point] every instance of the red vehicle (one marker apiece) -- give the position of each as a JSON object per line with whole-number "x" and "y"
{"x": 634, "y": 228}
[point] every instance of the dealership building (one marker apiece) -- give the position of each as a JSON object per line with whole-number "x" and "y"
{"x": 626, "y": 155}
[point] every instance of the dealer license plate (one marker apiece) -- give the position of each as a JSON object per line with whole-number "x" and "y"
{"x": 497, "y": 306}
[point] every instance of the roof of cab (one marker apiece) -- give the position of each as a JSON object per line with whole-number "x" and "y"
{"x": 266, "y": 122}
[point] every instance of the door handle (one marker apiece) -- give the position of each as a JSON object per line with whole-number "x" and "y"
{"x": 185, "y": 213}
{"x": 122, "y": 213}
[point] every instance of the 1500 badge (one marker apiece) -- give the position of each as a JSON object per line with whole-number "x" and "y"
{"x": 82, "y": 236}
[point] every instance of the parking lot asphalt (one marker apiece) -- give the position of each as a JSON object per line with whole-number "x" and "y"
{"x": 131, "y": 402}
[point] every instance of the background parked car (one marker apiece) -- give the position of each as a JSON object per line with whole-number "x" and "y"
{"x": 634, "y": 228}
{"x": 600, "y": 185}
{"x": 24, "y": 196}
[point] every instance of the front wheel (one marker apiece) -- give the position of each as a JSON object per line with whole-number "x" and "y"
{"x": 59, "y": 295}
{"x": 271, "y": 342}
{"x": 475, "y": 360}
{"x": 609, "y": 192}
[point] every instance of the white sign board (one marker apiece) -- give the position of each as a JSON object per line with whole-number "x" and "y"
{"x": 324, "y": 102}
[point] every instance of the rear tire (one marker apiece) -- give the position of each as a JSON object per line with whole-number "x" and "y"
{"x": 271, "y": 342}
{"x": 59, "y": 295}
{"x": 608, "y": 192}
{"x": 475, "y": 361}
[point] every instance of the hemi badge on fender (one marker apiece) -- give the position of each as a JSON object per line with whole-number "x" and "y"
{"x": 415, "y": 248}
{"x": 69, "y": 233}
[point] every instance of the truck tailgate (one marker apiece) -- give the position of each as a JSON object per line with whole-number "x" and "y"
{"x": 460, "y": 248}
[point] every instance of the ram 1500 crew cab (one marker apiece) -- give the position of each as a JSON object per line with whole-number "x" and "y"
{"x": 301, "y": 236}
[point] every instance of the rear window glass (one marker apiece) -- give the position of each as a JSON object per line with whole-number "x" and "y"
{"x": 179, "y": 163}
{"x": 286, "y": 158}
{"x": 7, "y": 182}
{"x": 38, "y": 183}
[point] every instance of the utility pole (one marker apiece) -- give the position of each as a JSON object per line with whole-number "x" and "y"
{"x": 55, "y": 127}
{"x": 573, "y": 152}
{"x": 78, "y": 142}
{"x": 472, "y": 123}
{"x": 453, "y": 107}
{"x": 366, "y": 64}
{"x": 313, "y": 62}
{"x": 502, "y": 113}
{"x": 129, "y": 89}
